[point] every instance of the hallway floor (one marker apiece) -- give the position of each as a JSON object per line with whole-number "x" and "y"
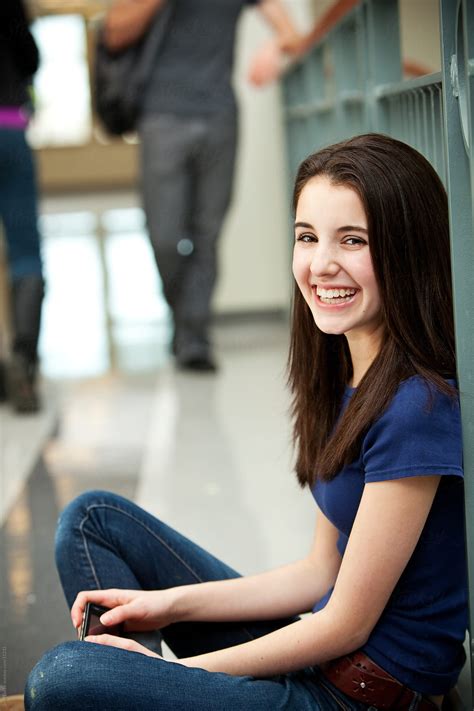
{"x": 210, "y": 454}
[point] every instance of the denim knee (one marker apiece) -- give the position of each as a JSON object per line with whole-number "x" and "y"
{"x": 76, "y": 511}
{"x": 56, "y": 679}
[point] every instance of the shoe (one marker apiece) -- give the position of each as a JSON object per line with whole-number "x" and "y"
{"x": 202, "y": 363}
{"x": 197, "y": 357}
{"x": 21, "y": 385}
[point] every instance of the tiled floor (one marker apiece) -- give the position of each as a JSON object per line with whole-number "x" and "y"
{"x": 209, "y": 454}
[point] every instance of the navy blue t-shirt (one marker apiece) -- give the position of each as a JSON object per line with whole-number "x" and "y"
{"x": 193, "y": 69}
{"x": 419, "y": 636}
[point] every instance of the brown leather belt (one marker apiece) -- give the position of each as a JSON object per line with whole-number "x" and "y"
{"x": 357, "y": 676}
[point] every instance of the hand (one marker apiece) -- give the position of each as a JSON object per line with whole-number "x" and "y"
{"x": 109, "y": 640}
{"x": 267, "y": 64}
{"x": 140, "y": 610}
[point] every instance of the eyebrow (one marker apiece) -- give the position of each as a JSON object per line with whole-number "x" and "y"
{"x": 304, "y": 224}
{"x": 344, "y": 228}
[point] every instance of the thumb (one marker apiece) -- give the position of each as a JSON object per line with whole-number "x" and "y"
{"x": 118, "y": 614}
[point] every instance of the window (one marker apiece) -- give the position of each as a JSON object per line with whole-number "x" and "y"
{"x": 61, "y": 87}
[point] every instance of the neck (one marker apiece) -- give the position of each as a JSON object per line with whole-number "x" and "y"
{"x": 363, "y": 349}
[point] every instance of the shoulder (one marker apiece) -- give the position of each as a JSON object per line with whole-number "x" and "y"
{"x": 419, "y": 432}
{"x": 418, "y": 402}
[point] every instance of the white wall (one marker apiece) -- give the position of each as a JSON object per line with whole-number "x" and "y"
{"x": 255, "y": 252}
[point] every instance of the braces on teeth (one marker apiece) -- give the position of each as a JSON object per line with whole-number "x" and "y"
{"x": 334, "y": 293}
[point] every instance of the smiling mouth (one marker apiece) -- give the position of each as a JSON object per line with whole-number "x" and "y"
{"x": 334, "y": 296}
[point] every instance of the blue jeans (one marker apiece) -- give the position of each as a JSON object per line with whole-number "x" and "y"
{"x": 106, "y": 541}
{"x": 18, "y": 203}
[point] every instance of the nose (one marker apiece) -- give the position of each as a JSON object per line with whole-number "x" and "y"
{"x": 323, "y": 261}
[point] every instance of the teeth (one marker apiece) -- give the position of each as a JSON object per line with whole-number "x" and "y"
{"x": 334, "y": 293}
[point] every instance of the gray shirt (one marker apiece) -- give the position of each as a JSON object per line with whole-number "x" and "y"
{"x": 193, "y": 69}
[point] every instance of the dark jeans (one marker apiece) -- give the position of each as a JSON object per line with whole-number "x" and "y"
{"x": 187, "y": 168}
{"x": 106, "y": 541}
{"x": 18, "y": 204}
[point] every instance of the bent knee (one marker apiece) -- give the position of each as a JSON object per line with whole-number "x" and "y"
{"x": 56, "y": 678}
{"x": 74, "y": 513}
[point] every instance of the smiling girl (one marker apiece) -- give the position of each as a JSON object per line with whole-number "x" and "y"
{"x": 377, "y": 431}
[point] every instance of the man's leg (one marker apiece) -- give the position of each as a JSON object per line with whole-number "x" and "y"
{"x": 212, "y": 172}
{"x": 166, "y": 144}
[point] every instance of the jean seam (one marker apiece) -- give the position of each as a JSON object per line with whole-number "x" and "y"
{"x": 86, "y": 549}
{"x": 140, "y": 523}
{"x": 338, "y": 701}
{"x": 416, "y": 701}
{"x": 152, "y": 533}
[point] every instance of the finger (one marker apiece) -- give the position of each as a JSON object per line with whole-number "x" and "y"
{"x": 107, "y": 598}
{"x": 129, "y": 645}
{"x": 254, "y": 78}
{"x": 118, "y": 614}
{"x": 133, "y": 613}
{"x": 110, "y": 640}
{"x": 79, "y": 604}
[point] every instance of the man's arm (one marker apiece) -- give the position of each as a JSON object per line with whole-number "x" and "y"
{"x": 278, "y": 18}
{"x": 270, "y": 60}
{"x": 127, "y": 20}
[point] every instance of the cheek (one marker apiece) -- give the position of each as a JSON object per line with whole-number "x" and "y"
{"x": 299, "y": 267}
{"x": 372, "y": 291}
{"x": 366, "y": 275}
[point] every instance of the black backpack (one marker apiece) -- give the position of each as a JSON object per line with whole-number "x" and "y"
{"x": 120, "y": 78}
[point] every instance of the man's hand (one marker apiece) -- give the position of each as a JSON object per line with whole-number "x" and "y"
{"x": 267, "y": 64}
{"x": 273, "y": 57}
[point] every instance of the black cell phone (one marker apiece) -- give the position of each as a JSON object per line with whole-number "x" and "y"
{"x": 91, "y": 622}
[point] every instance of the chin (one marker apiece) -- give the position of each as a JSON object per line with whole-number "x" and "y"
{"x": 329, "y": 329}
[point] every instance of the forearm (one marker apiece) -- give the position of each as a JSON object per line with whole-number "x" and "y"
{"x": 289, "y": 38}
{"x": 283, "y": 592}
{"x": 127, "y": 20}
{"x": 308, "y": 642}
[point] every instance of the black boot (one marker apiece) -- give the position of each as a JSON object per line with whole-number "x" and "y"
{"x": 22, "y": 389}
{"x": 26, "y": 299}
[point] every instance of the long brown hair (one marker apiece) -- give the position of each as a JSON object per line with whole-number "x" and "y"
{"x": 407, "y": 213}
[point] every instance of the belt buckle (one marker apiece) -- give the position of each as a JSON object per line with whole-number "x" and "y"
{"x": 360, "y": 679}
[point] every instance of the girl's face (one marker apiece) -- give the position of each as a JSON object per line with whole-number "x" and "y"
{"x": 332, "y": 264}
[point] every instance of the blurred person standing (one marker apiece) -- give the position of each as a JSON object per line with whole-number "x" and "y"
{"x": 18, "y": 206}
{"x": 188, "y": 135}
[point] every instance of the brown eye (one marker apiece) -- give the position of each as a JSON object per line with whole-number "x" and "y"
{"x": 354, "y": 241}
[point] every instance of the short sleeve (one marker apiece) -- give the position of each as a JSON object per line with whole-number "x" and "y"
{"x": 419, "y": 434}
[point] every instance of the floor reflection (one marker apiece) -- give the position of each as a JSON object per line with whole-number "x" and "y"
{"x": 104, "y": 307}
{"x": 210, "y": 454}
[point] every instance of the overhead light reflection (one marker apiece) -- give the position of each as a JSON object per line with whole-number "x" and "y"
{"x": 19, "y": 571}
